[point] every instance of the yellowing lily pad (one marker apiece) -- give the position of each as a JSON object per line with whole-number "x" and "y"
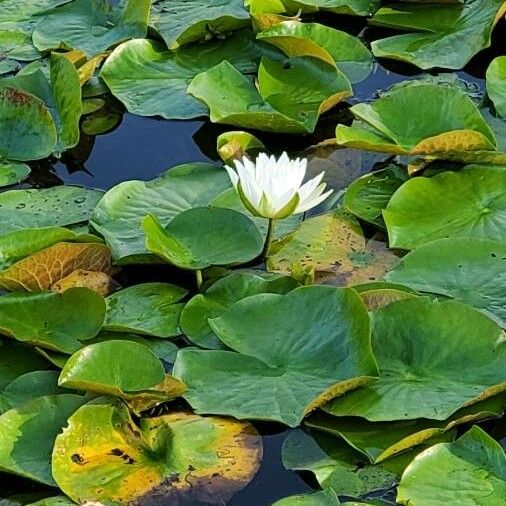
{"x": 41, "y": 270}
{"x": 179, "y": 457}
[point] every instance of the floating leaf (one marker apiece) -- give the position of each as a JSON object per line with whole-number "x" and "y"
{"x": 322, "y": 498}
{"x": 152, "y": 81}
{"x": 49, "y": 207}
{"x": 27, "y": 435}
{"x": 220, "y": 296}
{"x": 133, "y": 373}
{"x": 181, "y": 22}
{"x": 438, "y": 30}
{"x": 16, "y": 360}
{"x": 180, "y": 457}
{"x": 235, "y": 145}
{"x": 290, "y": 96}
{"x": 148, "y": 309}
{"x": 468, "y": 203}
{"x": 332, "y": 46}
{"x": 421, "y": 346}
{"x": 28, "y": 130}
{"x": 52, "y": 320}
{"x": 119, "y": 214}
{"x": 288, "y": 359}
{"x": 470, "y": 270}
{"x": 71, "y": 25}
{"x": 496, "y": 84}
{"x": 97, "y": 281}
{"x": 41, "y": 270}
{"x": 423, "y": 119}
{"x": 218, "y": 236}
{"x": 476, "y": 464}
{"x": 330, "y": 248}
{"x": 368, "y": 195}
{"x": 13, "y": 172}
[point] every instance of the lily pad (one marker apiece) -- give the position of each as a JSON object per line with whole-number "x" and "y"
{"x": 288, "y": 358}
{"x": 420, "y": 346}
{"x": 220, "y": 296}
{"x": 468, "y": 203}
{"x": 469, "y": 270}
{"x": 27, "y": 435}
{"x": 330, "y": 248}
{"x": 43, "y": 269}
{"x": 71, "y": 25}
{"x": 152, "y": 81}
{"x": 98, "y": 281}
{"x": 438, "y": 30}
{"x": 52, "y": 320}
{"x": 339, "y": 467}
{"x": 17, "y": 360}
{"x": 218, "y": 236}
{"x": 133, "y": 373}
{"x": 290, "y": 97}
{"x": 180, "y": 457}
{"x": 181, "y": 22}
{"x": 368, "y": 195}
{"x": 423, "y": 119}
{"x": 13, "y": 172}
{"x": 119, "y": 214}
{"x": 328, "y": 44}
{"x": 29, "y": 132}
{"x": 322, "y": 498}
{"x": 476, "y": 464}
{"x": 148, "y": 309}
{"x": 496, "y": 84}
{"x": 378, "y": 294}
{"x": 49, "y": 207}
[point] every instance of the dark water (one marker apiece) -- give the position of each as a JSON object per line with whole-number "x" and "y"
{"x": 143, "y": 148}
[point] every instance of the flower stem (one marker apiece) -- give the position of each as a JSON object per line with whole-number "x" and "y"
{"x": 198, "y": 275}
{"x": 268, "y": 239}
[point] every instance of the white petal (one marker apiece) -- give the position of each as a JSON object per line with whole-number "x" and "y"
{"x": 309, "y": 204}
{"x": 307, "y": 189}
{"x": 232, "y": 174}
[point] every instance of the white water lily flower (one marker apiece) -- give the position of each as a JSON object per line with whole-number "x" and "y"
{"x": 273, "y": 188}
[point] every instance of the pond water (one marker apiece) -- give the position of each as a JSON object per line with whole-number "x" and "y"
{"x": 142, "y": 148}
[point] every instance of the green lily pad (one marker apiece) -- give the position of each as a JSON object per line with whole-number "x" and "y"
{"x": 152, "y": 81}
{"x": 181, "y": 22}
{"x": 17, "y": 360}
{"x": 133, "y": 373}
{"x": 147, "y": 309}
{"x": 29, "y": 132}
{"x": 438, "y": 30}
{"x": 322, "y": 498}
{"x": 27, "y": 435}
{"x": 288, "y": 358}
{"x": 220, "y": 296}
{"x": 352, "y": 7}
{"x": 339, "y": 467}
{"x": 237, "y": 144}
{"x": 218, "y": 236}
{"x": 92, "y": 27}
{"x": 13, "y": 172}
{"x": 49, "y": 207}
{"x": 58, "y": 500}
{"x": 119, "y": 214}
{"x": 52, "y": 320}
{"x": 332, "y": 46}
{"x": 19, "y": 244}
{"x": 330, "y": 248}
{"x": 290, "y": 97}
{"x": 423, "y": 119}
{"x": 368, "y": 195}
{"x": 180, "y": 457}
{"x": 469, "y": 270}
{"x": 30, "y": 386}
{"x": 476, "y": 464}
{"x": 469, "y": 203}
{"x": 496, "y": 84}
{"x": 421, "y": 346}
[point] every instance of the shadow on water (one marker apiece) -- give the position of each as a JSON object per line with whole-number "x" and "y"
{"x": 143, "y": 148}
